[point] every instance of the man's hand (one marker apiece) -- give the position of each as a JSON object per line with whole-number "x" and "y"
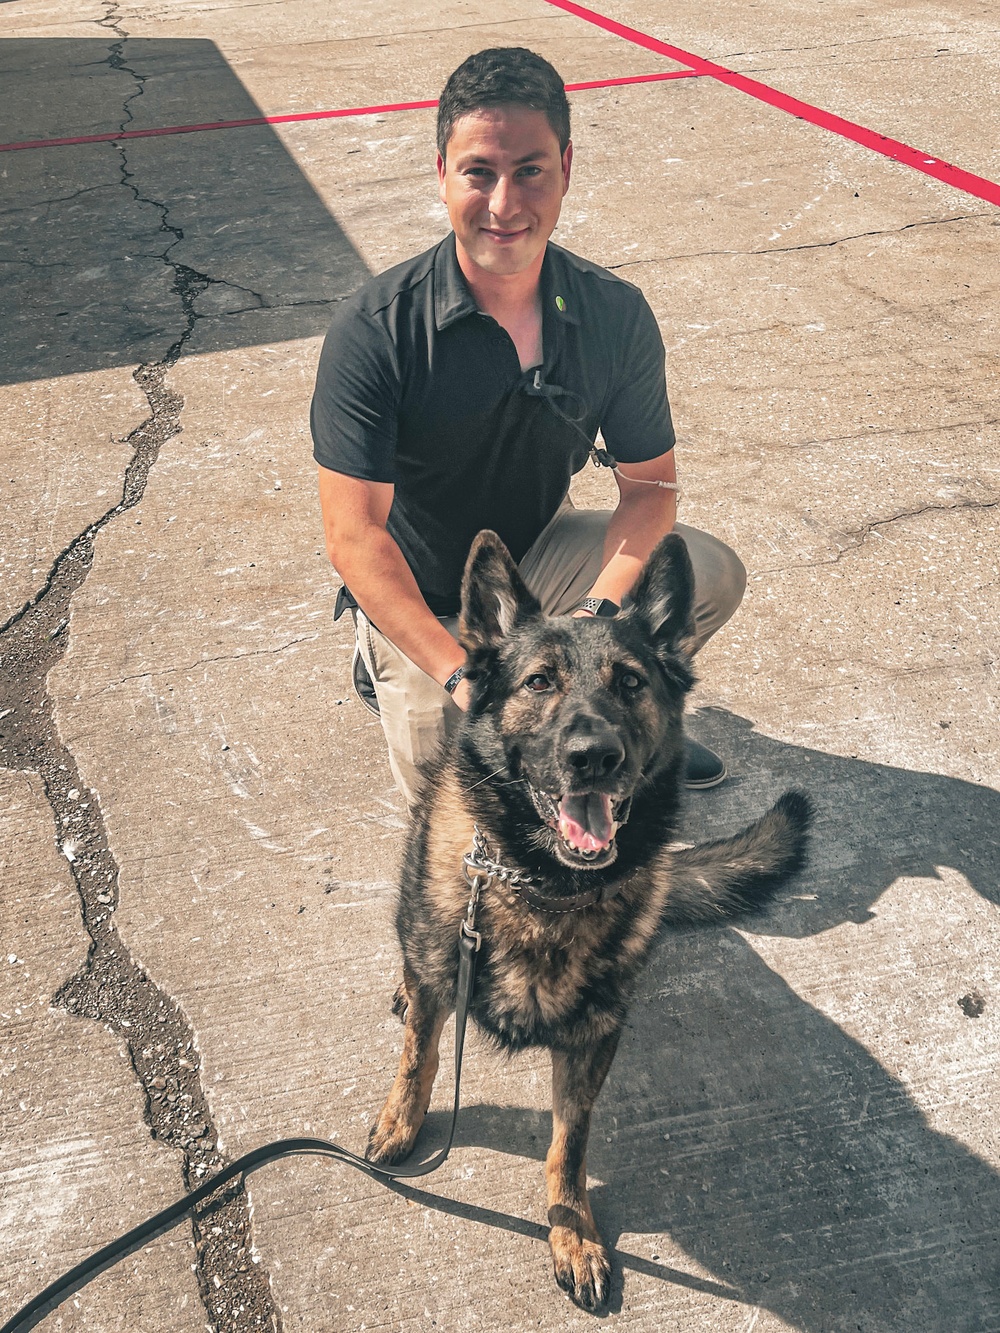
{"x": 463, "y": 695}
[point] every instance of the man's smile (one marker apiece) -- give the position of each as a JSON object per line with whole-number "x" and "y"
{"x": 500, "y": 236}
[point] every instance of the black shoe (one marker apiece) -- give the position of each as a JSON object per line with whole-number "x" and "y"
{"x": 703, "y": 767}
{"x": 363, "y": 686}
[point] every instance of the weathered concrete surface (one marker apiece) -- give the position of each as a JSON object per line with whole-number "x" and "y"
{"x": 79, "y": 1165}
{"x": 799, "y": 1131}
{"x": 61, "y": 464}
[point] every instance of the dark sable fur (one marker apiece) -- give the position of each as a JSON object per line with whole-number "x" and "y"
{"x": 545, "y": 979}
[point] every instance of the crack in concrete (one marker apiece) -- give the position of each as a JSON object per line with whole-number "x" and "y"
{"x": 874, "y": 433}
{"x": 812, "y": 245}
{"x": 37, "y": 264}
{"x": 112, "y": 987}
{"x": 271, "y": 305}
{"x": 189, "y": 283}
{"x": 858, "y": 536}
{"x": 47, "y": 204}
{"x": 203, "y": 661}
{"x": 836, "y": 46}
{"x": 387, "y": 38}
{"x": 862, "y": 61}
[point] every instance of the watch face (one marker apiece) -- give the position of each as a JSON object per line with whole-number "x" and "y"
{"x": 601, "y": 606}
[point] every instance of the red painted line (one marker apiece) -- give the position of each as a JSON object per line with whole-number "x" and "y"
{"x": 114, "y": 135}
{"x": 847, "y": 129}
{"x": 634, "y": 78}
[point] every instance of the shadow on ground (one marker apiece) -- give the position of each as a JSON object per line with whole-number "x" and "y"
{"x": 100, "y": 240}
{"x": 746, "y": 1125}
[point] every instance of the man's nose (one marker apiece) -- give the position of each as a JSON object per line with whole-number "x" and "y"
{"x": 504, "y": 199}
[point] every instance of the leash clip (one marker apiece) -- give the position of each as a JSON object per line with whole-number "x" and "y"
{"x": 471, "y": 934}
{"x": 476, "y": 876}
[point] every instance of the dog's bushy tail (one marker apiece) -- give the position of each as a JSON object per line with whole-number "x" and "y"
{"x": 738, "y": 874}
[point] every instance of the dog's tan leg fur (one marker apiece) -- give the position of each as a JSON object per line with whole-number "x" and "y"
{"x": 581, "y": 1263}
{"x": 394, "y": 1132}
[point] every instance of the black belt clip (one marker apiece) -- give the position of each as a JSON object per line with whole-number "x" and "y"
{"x": 345, "y": 601}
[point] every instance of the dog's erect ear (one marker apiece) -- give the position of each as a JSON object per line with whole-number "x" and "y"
{"x": 494, "y": 596}
{"x": 663, "y": 596}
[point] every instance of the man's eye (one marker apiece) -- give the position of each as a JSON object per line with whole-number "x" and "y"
{"x": 630, "y": 681}
{"x": 539, "y": 683}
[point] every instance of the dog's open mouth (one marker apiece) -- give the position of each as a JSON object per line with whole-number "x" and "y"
{"x": 586, "y": 824}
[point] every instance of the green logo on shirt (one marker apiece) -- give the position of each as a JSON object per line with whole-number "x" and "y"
{"x": 560, "y": 303}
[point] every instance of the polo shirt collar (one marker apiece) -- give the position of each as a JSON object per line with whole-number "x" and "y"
{"x": 453, "y": 300}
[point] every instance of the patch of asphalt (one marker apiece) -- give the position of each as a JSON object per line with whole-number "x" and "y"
{"x": 111, "y": 987}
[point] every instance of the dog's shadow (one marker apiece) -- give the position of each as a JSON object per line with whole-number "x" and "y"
{"x": 743, "y": 1123}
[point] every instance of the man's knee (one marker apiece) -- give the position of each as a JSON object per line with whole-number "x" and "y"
{"x": 732, "y": 583}
{"x": 720, "y": 580}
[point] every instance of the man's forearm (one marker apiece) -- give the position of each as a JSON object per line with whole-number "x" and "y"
{"x": 638, "y": 523}
{"x": 383, "y": 585}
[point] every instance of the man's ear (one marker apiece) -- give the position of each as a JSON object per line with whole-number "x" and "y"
{"x": 567, "y": 166}
{"x": 663, "y": 596}
{"x": 441, "y": 169}
{"x": 494, "y": 596}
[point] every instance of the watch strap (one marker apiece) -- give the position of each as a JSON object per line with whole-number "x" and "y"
{"x": 451, "y": 684}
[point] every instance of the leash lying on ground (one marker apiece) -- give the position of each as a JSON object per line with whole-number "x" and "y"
{"x": 56, "y": 1292}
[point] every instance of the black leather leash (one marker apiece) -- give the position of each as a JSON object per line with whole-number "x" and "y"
{"x": 56, "y": 1292}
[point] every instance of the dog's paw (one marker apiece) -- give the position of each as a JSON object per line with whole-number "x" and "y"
{"x": 582, "y": 1268}
{"x": 400, "y": 1002}
{"x": 390, "y": 1139}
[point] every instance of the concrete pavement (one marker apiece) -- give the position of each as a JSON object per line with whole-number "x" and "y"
{"x": 198, "y": 829}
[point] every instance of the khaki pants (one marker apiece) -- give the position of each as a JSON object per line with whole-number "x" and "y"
{"x": 560, "y": 569}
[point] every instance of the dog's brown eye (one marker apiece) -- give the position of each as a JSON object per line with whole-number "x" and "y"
{"x": 539, "y": 683}
{"x": 630, "y": 681}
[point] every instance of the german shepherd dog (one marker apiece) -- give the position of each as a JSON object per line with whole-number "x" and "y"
{"x": 569, "y": 763}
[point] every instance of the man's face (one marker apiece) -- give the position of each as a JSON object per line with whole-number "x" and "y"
{"x": 503, "y": 184}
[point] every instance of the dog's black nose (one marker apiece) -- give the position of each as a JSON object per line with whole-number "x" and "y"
{"x": 593, "y": 750}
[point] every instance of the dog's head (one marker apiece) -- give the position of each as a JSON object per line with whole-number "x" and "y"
{"x": 581, "y": 713}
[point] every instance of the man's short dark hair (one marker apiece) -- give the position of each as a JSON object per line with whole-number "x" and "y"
{"x": 503, "y": 76}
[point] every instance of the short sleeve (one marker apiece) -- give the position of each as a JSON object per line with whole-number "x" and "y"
{"x": 636, "y": 422}
{"x": 355, "y": 406}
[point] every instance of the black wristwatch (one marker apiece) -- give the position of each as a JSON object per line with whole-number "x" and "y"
{"x": 600, "y": 606}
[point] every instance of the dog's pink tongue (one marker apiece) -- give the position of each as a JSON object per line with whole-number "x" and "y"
{"x": 585, "y": 821}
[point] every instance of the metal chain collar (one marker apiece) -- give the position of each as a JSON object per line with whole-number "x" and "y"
{"x": 481, "y": 869}
{"x": 480, "y": 863}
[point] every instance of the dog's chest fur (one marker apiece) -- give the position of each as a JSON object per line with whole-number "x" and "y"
{"x": 544, "y": 979}
{"x": 540, "y": 976}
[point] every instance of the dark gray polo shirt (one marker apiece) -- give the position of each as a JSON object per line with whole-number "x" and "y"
{"x": 417, "y": 387}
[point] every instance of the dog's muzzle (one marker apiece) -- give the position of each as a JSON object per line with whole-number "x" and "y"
{"x": 586, "y": 824}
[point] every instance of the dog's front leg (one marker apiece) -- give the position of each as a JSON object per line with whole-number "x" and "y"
{"x": 394, "y": 1132}
{"x": 581, "y": 1263}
